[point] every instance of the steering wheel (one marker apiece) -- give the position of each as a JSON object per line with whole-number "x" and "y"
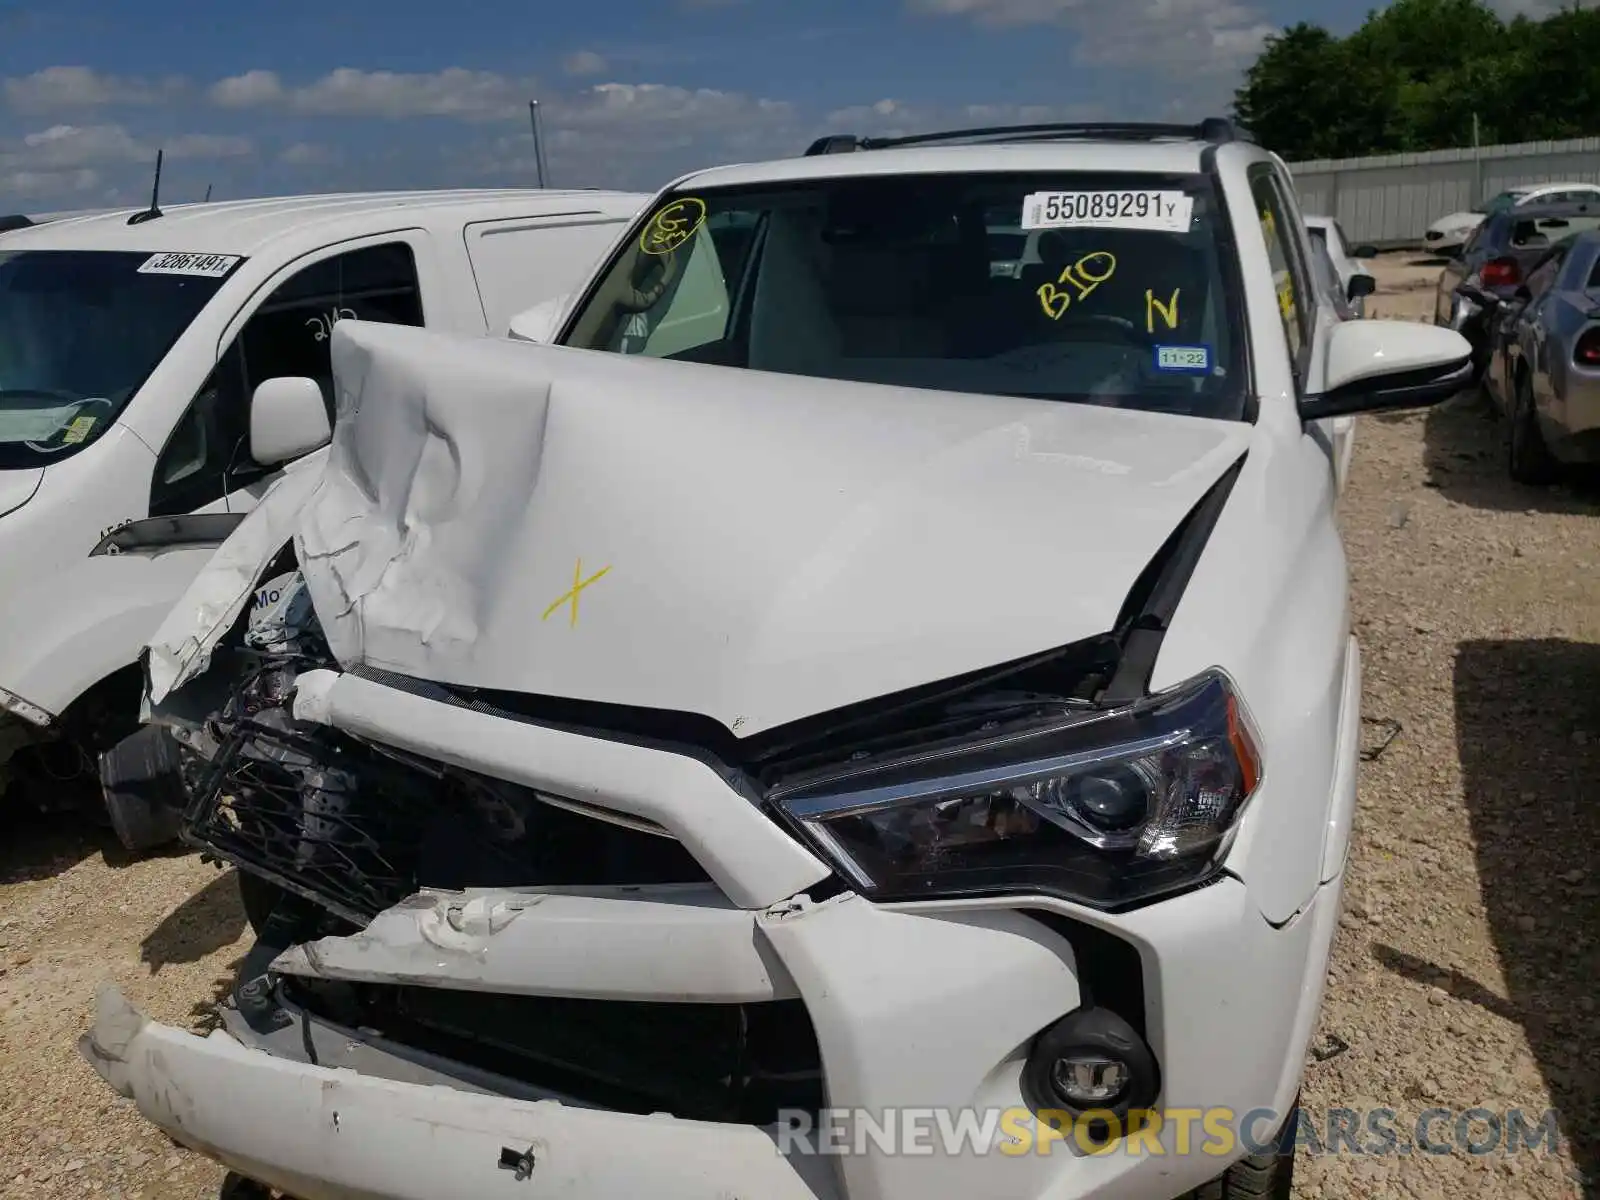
{"x": 1040, "y": 355}
{"x": 637, "y": 298}
{"x": 1124, "y": 329}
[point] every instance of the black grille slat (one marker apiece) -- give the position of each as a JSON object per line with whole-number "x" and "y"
{"x": 357, "y": 828}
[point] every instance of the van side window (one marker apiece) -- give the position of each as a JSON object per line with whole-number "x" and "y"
{"x": 208, "y": 454}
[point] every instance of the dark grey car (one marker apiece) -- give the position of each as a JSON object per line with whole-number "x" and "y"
{"x": 1544, "y": 369}
{"x": 1495, "y": 260}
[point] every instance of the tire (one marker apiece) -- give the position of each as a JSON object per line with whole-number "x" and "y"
{"x": 1265, "y": 1176}
{"x": 141, "y": 778}
{"x": 1527, "y": 457}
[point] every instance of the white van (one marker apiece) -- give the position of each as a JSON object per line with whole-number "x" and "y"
{"x": 131, "y": 344}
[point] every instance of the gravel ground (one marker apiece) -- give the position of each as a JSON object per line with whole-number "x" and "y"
{"x": 1466, "y": 961}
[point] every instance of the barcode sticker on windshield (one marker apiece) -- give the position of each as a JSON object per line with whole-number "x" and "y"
{"x": 208, "y": 266}
{"x": 1168, "y": 212}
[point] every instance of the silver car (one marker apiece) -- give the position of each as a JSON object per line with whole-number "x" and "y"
{"x": 1544, "y": 367}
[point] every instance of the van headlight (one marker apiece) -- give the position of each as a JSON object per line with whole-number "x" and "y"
{"x": 1104, "y": 808}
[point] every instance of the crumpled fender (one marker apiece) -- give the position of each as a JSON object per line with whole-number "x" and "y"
{"x": 181, "y": 647}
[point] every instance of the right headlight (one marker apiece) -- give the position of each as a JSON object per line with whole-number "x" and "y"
{"x": 1105, "y": 808}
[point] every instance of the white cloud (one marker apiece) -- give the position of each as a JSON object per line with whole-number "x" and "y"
{"x": 30, "y": 185}
{"x": 66, "y": 160}
{"x": 308, "y": 154}
{"x": 638, "y": 135}
{"x": 1210, "y": 36}
{"x": 55, "y": 89}
{"x": 351, "y": 92}
{"x": 250, "y": 90}
{"x": 584, "y": 62}
{"x": 73, "y": 158}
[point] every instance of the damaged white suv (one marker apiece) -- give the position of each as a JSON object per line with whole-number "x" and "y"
{"x": 869, "y": 711}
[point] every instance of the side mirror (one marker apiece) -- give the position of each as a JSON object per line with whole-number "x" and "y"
{"x": 540, "y": 323}
{"x": 288, "y": 418}
{"x": 1364, "y": 252}
{"x": 1361, "y": 284}
{"x": 1373, "y": 366}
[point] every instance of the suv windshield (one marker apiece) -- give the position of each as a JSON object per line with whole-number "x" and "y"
{"x": 80, "y": 331}
{"x": 1092, "y": 288}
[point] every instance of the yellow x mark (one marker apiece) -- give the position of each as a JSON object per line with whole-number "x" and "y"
{"x": 578, "y": 584}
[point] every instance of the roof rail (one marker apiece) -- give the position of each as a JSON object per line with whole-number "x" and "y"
{"x": 1213, "y": 129}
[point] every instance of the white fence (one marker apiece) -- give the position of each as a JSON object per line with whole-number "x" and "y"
{"x": 1391, "y": 199}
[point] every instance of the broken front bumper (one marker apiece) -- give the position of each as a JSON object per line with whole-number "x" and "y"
{"x": 914, "y": 1012}
{"x": 927, "y": 1008}
{"x": 323, "y": 1134}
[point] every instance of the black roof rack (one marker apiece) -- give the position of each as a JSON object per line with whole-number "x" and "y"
{"x": 1215, "y": 130}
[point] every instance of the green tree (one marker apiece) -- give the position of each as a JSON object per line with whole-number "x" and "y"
{"x": 1417, "y": 74}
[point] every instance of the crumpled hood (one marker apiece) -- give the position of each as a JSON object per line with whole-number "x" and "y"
{"x": 748, "y": 546}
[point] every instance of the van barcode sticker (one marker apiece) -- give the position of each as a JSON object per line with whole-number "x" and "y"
{"x": 1164, "y": 211}
{"x": 208, "y": 266}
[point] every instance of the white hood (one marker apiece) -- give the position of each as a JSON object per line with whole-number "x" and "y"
{"x": 1458, "y": 222}
{"x": 772, "y": 546}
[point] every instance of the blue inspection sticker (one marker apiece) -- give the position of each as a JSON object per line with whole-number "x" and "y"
{"x": 1194, "y": 360}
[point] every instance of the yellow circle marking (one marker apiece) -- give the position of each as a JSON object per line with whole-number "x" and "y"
{"x": 673, "y": 225}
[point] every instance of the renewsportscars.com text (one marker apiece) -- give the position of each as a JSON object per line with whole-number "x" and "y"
{"x": 1218, "y": 1132}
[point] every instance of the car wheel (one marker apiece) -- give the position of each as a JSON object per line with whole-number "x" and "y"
{"x": 1265, "y": 1176}
{"x": 1528, "y": 458}
{"x": 142, "y": 781}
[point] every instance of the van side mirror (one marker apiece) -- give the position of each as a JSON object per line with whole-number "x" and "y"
{"x": 1379, "y": 365}
{"x": 288, "y": 418}
{"x": 1361, "y": 284}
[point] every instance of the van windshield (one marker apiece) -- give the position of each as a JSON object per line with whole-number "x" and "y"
{"x": 80, "y": 332}
{"x": 1073, "y": 286}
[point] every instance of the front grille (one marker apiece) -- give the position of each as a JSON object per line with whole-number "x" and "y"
{"x": 356, "y": 827}
{"x": 741, "y": 1063}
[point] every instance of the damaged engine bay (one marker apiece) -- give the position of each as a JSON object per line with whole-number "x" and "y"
{"x": 327, "y": 831}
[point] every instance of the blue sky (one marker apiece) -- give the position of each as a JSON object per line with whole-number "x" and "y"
{"x": 296, "y": 96}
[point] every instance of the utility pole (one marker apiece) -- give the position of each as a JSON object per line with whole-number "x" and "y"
{"x": 538, "y": 141}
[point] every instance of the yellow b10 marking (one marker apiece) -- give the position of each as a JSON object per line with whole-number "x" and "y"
{"x": 1055, "y": 302}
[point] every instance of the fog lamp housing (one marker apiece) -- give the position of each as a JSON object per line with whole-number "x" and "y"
{"x": 1091, "y": 1060}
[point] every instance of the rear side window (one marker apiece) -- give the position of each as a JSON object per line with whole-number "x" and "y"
{"x": 1547, "y": 231}
{"x": 522, "y": 262}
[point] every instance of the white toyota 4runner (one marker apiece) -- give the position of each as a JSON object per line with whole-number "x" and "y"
{"x": 868, "y": 711}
